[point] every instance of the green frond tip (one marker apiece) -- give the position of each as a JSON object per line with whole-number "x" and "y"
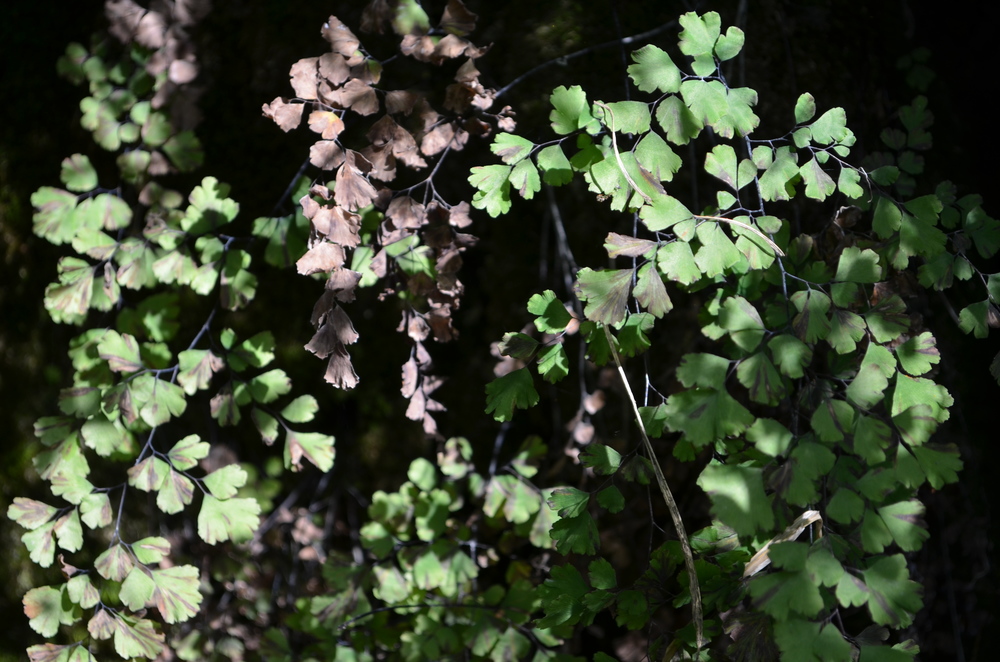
{"x": 503, "y": 394}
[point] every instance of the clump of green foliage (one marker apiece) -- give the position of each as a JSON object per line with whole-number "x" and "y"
{"x": 813, "y": 407}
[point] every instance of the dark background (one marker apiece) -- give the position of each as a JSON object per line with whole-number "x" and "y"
{"x": 845, "y": 53}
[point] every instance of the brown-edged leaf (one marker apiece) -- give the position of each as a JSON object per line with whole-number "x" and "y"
{"x": 342, "y": 326}
{"x": 626, "y": 245}
{"x": 459, "y": 216}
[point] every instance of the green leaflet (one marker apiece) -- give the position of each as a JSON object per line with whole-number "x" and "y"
{"x": 740, "y": 318}
{"x": 858, "y": 266}
{"x": 706, "y": 415}
{"x": 777, "y": 181}
{"x": 802, "y": 640}
{"x": 738, "y": 499}
{"x": 570, "y": 111}
{"x": 677, "y": 120}
{"x": 493, "y": 186}
{"x": 606, "y": 293}
{"x": 512, "y": 390}
{"x": 232, "y": 519}
{"x": 556, "y": 168}
{"x": 654, "y": 70}
{"x": 631, "y": 117}
{"x": 78, "y": 174}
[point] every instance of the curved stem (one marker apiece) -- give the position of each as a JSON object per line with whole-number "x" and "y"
{"x": 668, "y": 498}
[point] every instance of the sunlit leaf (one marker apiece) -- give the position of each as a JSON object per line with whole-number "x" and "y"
{"x": 576, "y": 535}
{"x": 233, "y": 519}
{"x": 602, "y": 459}
{"x": 175, "y": 493}
{"x": 186, "y": 452}
{"x": 769, "y": 436}
{"x": 78, "y": 174}
{"x": 300, "y": 410}
{"x": 606, "y": 293}
{"x": 737, "y": 496}
{"x": 706, "y": 415}
{"x": 29, "y": 513}
{"x": 905, "y": 522}
{"x": 510, "y": 148}
{"x": 136, "y": 637}
{"x": 114, "y": 563}
{"x": 571, "y": 111}
{"x": 833, "y": 419}
{"x": 858, "y": 266}
{"x": 223, "y": 483}
{"x": 553, "y": 364}
{"x": 654, "y": 70}
{"x": 632, "y": 338}
{"x": 493, "y": 188}
{"x": 556, "y": 168}
{"x": 151, "y": 550}
{"x": 677, "y": 121}
{"x": 137, "y": 589}
{"x": 676, "y": 261}
{"x": 47, "y": 609}
{"x": 175, "y": 593}
{"x": 166, "y": 401}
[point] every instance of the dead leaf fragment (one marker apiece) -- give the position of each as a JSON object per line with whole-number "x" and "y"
{"x": 303, "y": 77}
{"x": 326, "y": 154}
{"x": 410, "y": 376}
{"x": 406, "y": 212}
{"x": 458, "y": 215}
{"x": 341, "y": 39}
{"x": 323, "y": 257}
{"x": 132, "y": 22}
{"x": 355, "y": 95}
{"x": 182, "y": 71}
{"x": 286, "y": 115}
{"x": 400, "y": 101}
{"x": 340, "y": 371}
{"x": 376, "y": 16}
{"x": 342, "y": 283}
{"x": 457, "y": 19}
{"x": 337, "y": 225}
{"x": 333, "y": 67}
{"x": 353, "y": 191}
{"x": 326, "y": 123}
